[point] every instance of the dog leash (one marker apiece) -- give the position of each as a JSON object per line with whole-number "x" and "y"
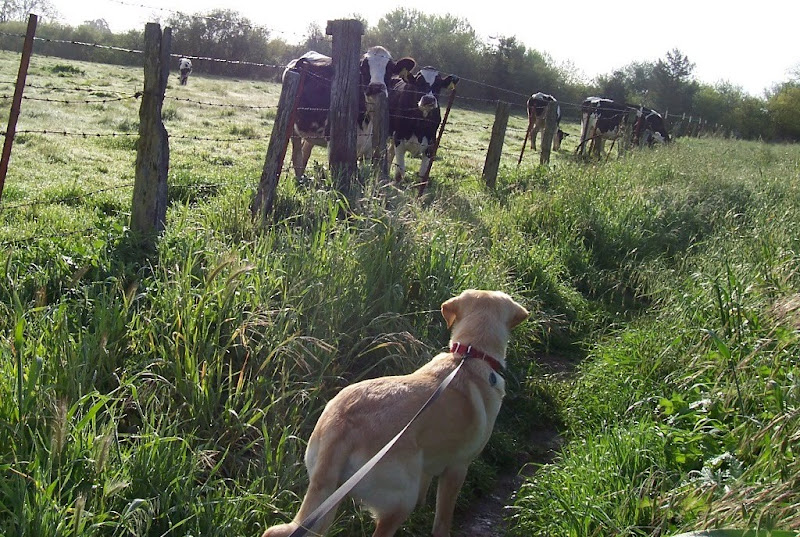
{"x": 348, "y": 485}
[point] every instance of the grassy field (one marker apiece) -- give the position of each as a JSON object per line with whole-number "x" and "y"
{"x": 171, "y": 394}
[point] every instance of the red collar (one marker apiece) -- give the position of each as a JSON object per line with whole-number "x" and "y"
{"x": 471, "y": 352}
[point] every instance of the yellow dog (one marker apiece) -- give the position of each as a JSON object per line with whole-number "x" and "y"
{"x": 364, "y": 417}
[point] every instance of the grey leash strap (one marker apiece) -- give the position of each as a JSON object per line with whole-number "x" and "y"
{"x": 348, "y": 485}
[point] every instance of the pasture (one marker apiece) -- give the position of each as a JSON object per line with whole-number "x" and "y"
{"x": 171, "y": 393}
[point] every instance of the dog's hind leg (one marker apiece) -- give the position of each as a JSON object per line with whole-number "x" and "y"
{"x": 325, "y": 468}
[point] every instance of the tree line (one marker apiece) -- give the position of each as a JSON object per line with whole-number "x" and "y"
{"x": 504, "y": 66}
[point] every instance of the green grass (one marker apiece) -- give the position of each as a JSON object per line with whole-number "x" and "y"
{"x": 171, "y": 393}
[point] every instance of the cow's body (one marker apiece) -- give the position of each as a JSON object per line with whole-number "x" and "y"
{"x": 601, "y": 119}
{"x": 650, "y": 128}
{"x": 185, "y": 68}
{"x": 537, "y": 106}
{"x": 414, "y": 117}
{"x": 311, "y": 119}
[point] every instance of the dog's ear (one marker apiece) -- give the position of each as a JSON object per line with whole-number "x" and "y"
{"x": 518, "y": 314}
{"x": 450, "y": 310}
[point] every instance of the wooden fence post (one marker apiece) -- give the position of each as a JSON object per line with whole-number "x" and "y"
{"x": 380, "y": 135}
{"x": 345, "y": 51}
{"x": 264, "y": 199}
{"x": 550, "y": 126}
{"x": 495, "y": 151}
{"x": 16, "y": 103}
{"x": 149, "y": 210}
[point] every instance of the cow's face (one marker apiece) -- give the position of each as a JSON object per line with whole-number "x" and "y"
{"x": 428, "y": 83}
{"x": 377, "y": 68}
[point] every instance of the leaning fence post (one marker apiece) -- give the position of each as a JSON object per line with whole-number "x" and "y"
{"x": 16, "y": 103}
{"x": 149, "y": 210}
{"x": 426, "y": 175}
{"x": 527, "y": 135}
{"x": 550, "y": 127}
{"x": 495, "y": 151}
{"x": 264, "y": 199}
{"x": 345, "y": 51}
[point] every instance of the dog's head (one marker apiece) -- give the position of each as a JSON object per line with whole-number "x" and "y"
{"x": 483, "y": 319}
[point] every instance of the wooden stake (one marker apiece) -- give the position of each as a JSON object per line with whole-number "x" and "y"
{"x": 16, "y": 103}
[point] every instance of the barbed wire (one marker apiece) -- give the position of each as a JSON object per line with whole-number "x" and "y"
{"x": 84, "y": 44}
{"x": 232, "y": 62}
{"x": 68, "y": 133}
{"x": 47, "y": 132}
{"x": 77, "y": 101}
{"x": 223, "y": 105}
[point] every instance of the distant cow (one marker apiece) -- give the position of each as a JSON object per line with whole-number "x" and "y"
{"x": 414, "y": 116}
{"x": 537, "y": 105}
{"x": 649, "y": 128}
{"x": 185, "y": 68}
{"x": 601, "y": 119}
{"x": 311, "y": 119}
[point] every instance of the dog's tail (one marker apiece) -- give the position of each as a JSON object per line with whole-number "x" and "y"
{"x": 325, "y": 465}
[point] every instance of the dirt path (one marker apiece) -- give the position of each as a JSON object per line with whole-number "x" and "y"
{"x": 486, "y": 516}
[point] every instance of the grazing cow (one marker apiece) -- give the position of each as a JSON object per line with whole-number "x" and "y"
{"x": 601, "y": 119}
{"x": 414, "y": 117}
{"x": 185, "y": 68}
{"x": 311, "y": 119}
{"x": 537, "y": 104}
{"x": 649, "y": 128}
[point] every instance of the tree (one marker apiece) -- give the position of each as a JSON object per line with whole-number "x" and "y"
{"x": 18, "y": 10}
{"x": 784, "y": 106}
{"x": 673, "y": 84}
{"x": 100, "y": 25}
{"x": 223, "y": 34}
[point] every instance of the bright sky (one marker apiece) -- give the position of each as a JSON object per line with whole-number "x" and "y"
{"x": 752, "y": 45}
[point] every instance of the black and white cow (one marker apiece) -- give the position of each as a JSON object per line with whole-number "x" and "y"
{"x": 537, "y": 105}
{"x": 414, "y": 117}
{"x": 311, "y": 118}
{"x": 601, "y": 119}
{"x": 185, "y": 68}
{"x": 649, "y": 128}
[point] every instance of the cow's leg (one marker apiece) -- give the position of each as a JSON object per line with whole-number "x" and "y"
{"x": 400, "y": 161}
{"x": 426, "y": 155}
{"x": 305, "y": 154}
{"x": 297, "y": 156}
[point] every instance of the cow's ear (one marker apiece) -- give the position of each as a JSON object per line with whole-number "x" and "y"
{"x": 404, "y": 66}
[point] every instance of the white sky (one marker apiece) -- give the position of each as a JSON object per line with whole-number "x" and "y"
{"x": 752, "y": 45}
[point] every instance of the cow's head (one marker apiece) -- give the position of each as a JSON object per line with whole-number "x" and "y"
{"x": 427, "y": 84}
{"x": 654, "y": 124}
{"x": 378, "y": 67}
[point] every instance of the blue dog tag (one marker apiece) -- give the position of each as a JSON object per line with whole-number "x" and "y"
{"x": 492, "y": 378}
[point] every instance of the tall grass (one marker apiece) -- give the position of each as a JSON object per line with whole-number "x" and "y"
{"x": 172, "y": 394}
{"x": 710, "y": 377}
